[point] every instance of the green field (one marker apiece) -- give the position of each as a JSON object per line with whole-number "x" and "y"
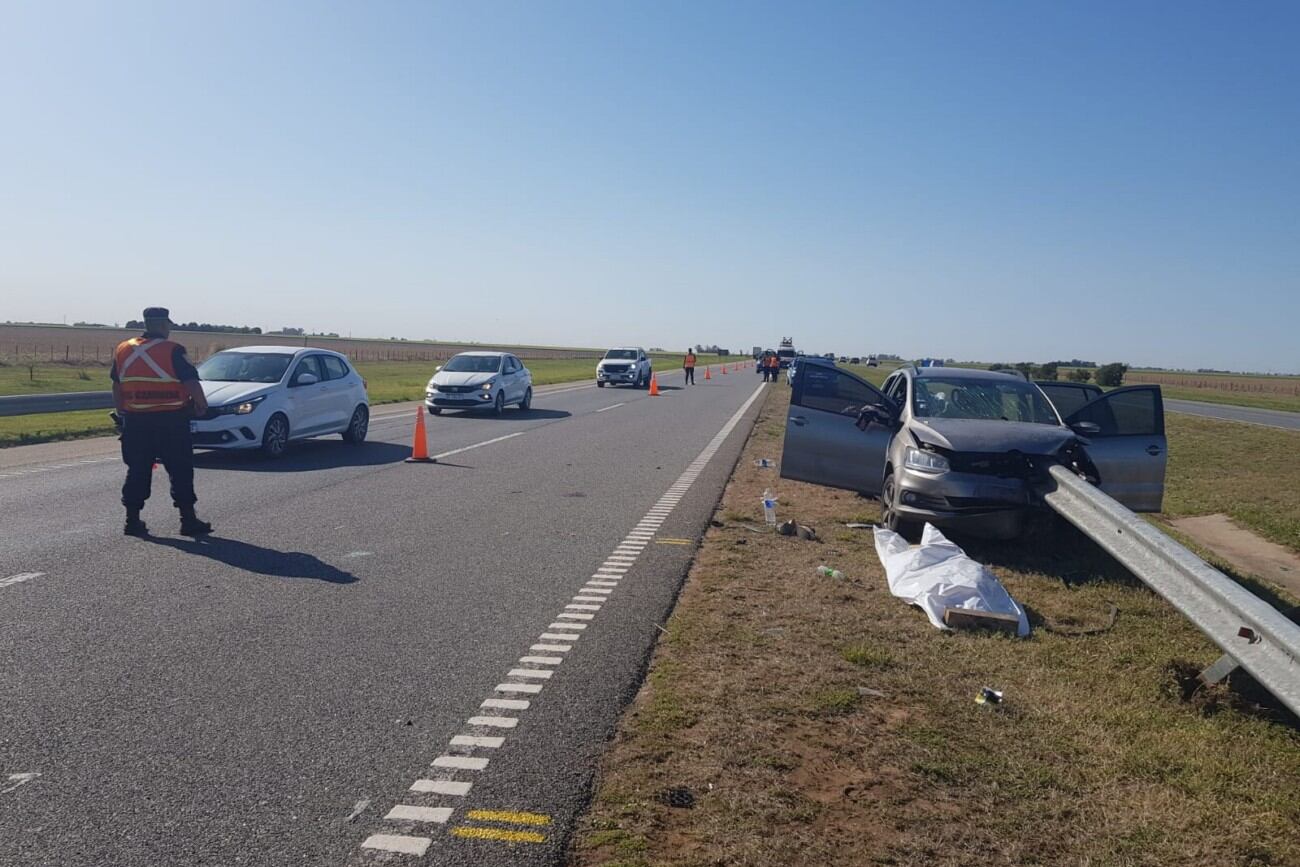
{"x": 386, "y": 382}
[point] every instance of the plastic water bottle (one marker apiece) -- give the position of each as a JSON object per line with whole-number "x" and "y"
{"x": 828, "y": 572}
{"x": 769, "y": 508}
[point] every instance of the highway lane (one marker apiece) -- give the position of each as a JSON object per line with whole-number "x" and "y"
{"x": 237, "y": 701}
{"x": 1249, "y": 415}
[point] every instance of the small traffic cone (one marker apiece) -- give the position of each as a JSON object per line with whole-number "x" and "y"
{"x": 724, "y": 368}
{"x": 706, "y": 372}
{"x": 654, "y": 385}
{"x": 420, "y": 448}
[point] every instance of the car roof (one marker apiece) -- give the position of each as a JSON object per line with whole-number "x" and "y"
{"x": 628, "y": 348}
{"x": 966, "y": 373}
{"x": 275, "y": 350}
{"x": 483, "y": 352}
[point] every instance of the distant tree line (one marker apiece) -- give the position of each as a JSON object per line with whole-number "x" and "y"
{"x": 1107, "y": 375}
{"x": 202, "y": 326}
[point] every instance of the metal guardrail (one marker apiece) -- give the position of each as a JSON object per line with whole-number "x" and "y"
{"x": 1252, "y": 633}
{"x": 27, "y": 404}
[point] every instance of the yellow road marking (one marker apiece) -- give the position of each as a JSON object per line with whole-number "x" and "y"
{"x": 674, "y": 542}
{"x": 499, "y": 834}
{"x": 514, "y": 818}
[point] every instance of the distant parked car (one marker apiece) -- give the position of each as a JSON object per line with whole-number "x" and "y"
{"x": 872, "y": 361}
{"x": 624, "y": 366}
{"x": 480, "y": 380}
{"x": 264, "y": 397}
{"x": 964, "y": 449}
{"x": 855, "y": 360}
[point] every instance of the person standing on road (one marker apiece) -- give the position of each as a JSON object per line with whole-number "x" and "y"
{"x": 157, "y": 391}
{"x": 773, "y": 368}
{"x": 688, "y": 365}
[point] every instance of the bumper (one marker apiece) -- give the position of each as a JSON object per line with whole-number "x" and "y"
{"x": 228, "y": 432}
{"x": 473, "y": 400}
{"x": 629, "y": 377}
{"x": 966, "y": 502}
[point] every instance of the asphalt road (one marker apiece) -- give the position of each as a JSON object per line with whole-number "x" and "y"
{"x": 1267, "y": 417}
{"x": 336, "y": 666}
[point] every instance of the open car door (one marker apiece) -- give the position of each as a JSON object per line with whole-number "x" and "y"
{"x": 1068, "y": 397}
{"x": 1128, "y": 445}
{"x": 823, "y": 443}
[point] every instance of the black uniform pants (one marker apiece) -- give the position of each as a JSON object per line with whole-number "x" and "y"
{"x": 163, "y": 437}
{"x": 690, "y": 375}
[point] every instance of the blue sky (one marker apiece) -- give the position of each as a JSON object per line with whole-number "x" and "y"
{"x": 991, "y": 180}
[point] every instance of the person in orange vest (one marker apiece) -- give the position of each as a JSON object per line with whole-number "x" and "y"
{"x": 688, "y": 364}
{"x": 773, "y": 367}
{"x": 157, "y": 391}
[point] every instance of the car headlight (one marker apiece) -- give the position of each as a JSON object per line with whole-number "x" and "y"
{"x": 926, "y": 462}
{"x": 242, "y": 408}
{"x": 487, "y": 386}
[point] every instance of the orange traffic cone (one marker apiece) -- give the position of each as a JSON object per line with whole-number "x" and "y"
{"x": 654, "y": 385}
{"x": 706, "y": 372}
{"x": 420, "y": 448}
{"x": 724, "y": 368}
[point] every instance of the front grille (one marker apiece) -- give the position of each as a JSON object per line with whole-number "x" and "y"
{"x": 617, "y": 368}
{"x": 1003, "y": 465}
{"x": 456, "y": 389}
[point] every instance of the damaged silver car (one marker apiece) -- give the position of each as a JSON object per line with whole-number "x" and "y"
{"x": 966, "y": 449}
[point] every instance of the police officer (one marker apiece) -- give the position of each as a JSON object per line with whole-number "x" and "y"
{"x": 157, "y": 392}
{"x": 688, "y": 364}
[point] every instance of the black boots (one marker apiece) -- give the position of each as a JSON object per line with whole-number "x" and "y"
{"x": 134, "y": 526}
{"x": 191, "y": 525}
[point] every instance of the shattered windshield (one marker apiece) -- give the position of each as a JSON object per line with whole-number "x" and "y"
{"x": 990, "y": 399}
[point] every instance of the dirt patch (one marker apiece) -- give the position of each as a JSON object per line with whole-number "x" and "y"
{"x": 1248, "y": 552}
{"x": 818, "y": 721}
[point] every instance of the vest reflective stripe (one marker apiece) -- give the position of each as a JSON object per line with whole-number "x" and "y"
{"x": 147, "y": 376}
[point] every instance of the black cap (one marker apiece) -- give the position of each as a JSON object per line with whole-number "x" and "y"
{"x": 157, "y": 313}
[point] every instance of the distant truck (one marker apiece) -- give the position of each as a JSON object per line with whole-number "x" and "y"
{"x": 786, "y": 352}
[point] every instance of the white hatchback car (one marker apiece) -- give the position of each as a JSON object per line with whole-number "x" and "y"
{"x": 262, "y": 397}
{"x": 480, "y": 380}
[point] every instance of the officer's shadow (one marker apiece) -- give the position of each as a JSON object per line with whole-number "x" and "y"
{"x": 254, "y": 558}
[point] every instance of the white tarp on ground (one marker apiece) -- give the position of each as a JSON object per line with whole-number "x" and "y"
{"x": 938, "y": 575}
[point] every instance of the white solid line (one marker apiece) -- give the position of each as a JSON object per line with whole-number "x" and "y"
{"x": 442, "y": 787}
{"x": 553, "y": 648}
{"x": 398, "y": 843}
{"x": 540, "y": 674}
{"x": 476, "y": 741}
{"x": 575, "y": 616}
{"x": 479, "y": 445}
{"x": 530, "y": 688}
{"x": 464, "y": 763}
{"x": 542, "y": 660}
{"x": 440, "y": 815}
{"x": 608, "y": 408}
{"x": 578, "y": 626}
{"x": 496, "y": 722}
{"x": 505, "y": 704}
{"x": 19, "y": 578}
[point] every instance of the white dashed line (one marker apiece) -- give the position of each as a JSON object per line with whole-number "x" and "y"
{"x": 608, "y": 408}
{"x": 398, "y": 843}
{"x": 19, "y": 578}
{"x": 539, "y": 674}
{"x": 573, "y": 615}
{"x": 474, "y": 741}
{"x": 479, "y": 445}
{"x": 464, "y": 763}
{"x": 554, "y": 648}
{"x": 442, "y": 787}
{"x": 505, "y": 703}
{"x": 530, "y": 688}
{"x": 496, "y": 722}
{"x": 408, "y": 813}
{"x": 542, "y": 660}
{"x": 578, "y": 626}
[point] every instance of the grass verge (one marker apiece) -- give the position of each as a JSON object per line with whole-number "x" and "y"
{"x": 824, "y": 722}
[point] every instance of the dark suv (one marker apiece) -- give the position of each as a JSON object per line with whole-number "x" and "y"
{"x": 963, "y": 449}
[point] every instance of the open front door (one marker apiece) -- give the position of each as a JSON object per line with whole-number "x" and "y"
{"x": 1128, "y": 448}
{"x": 823, "y": 443}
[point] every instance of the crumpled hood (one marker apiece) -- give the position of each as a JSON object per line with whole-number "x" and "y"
{"x": 445, "y": 377}
{"x": 981, "y": 435}
{"x": 224, "y": 393}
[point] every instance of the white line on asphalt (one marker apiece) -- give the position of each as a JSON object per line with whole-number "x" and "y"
{"x": 464, "y": 763}
{"x": 590, "y": 599}
{"x": 541, "y": 660}
{"x": 578, "y": 626}
{"x": 505, "y": 703}
{"x": 479, "y": 445}
{"x": 398, "y": 843}
{"x": 409, "y": 813}
{"x": 558, "y": 636}
{"x": 476, "y": 741}
{"x": 530, "y": 688}
{"x": 496, "y": 722}
{"x": 454, "y": 788}
{"x": 608, "y": 408}
{"x": 578, "y": 606}
{"x": 573, "y": 615}
{"x": 19, "y": 578}
{"x": 553, "y": 648}
{"x": 586, "y": 589}
{"x": 539, "y": 674}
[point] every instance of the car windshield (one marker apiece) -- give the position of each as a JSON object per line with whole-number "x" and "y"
{"x": 474, "y": 364}
{"x": 622, "y": 354}
{"x": 245, "y": 367}
{"x": 992, "y": 399}
{"x": 785, "y": 353}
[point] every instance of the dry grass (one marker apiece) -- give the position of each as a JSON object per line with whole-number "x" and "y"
{"x": 823, "y": 722}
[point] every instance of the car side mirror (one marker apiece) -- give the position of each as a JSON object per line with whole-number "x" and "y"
{"x": 438, "y": 368}
{"x": 874, "y": 414}
{"x": 306, "y": 379}
{"x": 1087, "y": 428}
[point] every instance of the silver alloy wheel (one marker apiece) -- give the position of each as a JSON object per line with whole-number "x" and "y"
{"x": 500, "y": 405}
{"x": 358, "y": 427}
{"x": 527, "y": 403}
{"x": 275, "y": 439}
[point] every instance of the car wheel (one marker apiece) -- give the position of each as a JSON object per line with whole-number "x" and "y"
{"x": 909, "y": 530}
{"x": 275, "y": 437}
{"x": 599, "y": 384}
{"x": 500, "y": 405}
{"x": 527, "y": 403}
{"x": 358, "y": 427}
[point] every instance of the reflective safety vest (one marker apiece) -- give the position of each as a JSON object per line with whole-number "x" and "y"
{"x": 147, "y": 375}
{"x": 773, "y": 361}
{"x": 690, "y": 360}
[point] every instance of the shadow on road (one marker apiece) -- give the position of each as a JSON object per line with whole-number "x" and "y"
{"x": 254, "y": 558}
{"x": 305, "y": 456}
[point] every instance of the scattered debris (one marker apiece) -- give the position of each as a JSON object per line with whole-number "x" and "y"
{"x": 988, "y": 695}
{"x": 742, "y": 542}
{"x": 1058, "y": 629}
{"x": 661, "y": 629}
{"x": 874, "y": 693}
{"x": 969, "y": 618}
{"x": 769, "y": 508}
{"x": 358, "y": 809}
{"x": 677, "y": 796}
{"x": 828, "y": 572}
{"x": 791, "y": 528}
{"x": 765, "y": 463}
{"x": 938, "y": 577}
{"x": 18, "y": 780}
{"x": 856, "y": 526}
